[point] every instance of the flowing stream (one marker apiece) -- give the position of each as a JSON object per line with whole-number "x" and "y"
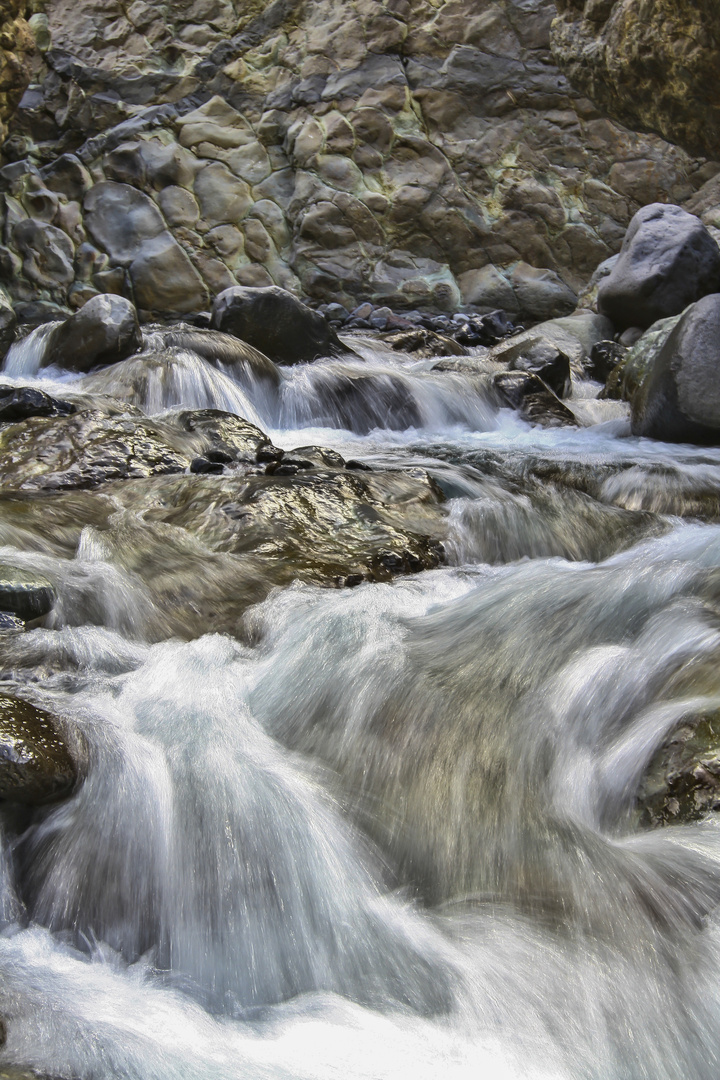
{"x": 387, "y": 831}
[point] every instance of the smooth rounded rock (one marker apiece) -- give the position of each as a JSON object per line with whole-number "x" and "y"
{"x": 36, "y": 766}
{"x": 668, "y": 260}
{"x": 275, "y": 322}
{"x": 104, "y": 331}
{"x": 121, "y": 220}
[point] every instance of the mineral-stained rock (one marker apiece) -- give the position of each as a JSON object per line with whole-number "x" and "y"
{"x": 104, "y": 331}
{"x": 16, "y": 51}
{"x": 651, "y": 65}
{"x": 36, "y": 765}
{"x": 677, "y": 397}
{"x": 667, "y": 261}
{"x": 276, "y": 322}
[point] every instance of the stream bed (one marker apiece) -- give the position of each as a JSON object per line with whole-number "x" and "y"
{"x": 382, "y": 831}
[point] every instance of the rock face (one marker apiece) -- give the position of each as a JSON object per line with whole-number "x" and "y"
{"x": 404, "y": 152}
{"x": 651, "y": 64}
{"x": 275, "y": 322}
{"x": 16, "y": 48}
{"x": 678, "y": 397}
{"x": 668, "y": 260}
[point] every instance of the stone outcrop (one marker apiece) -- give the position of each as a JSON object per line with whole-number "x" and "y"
{"x": 651, "y": 64}
{"x": 16, "y": 48}
{"x": 410, "y": 153}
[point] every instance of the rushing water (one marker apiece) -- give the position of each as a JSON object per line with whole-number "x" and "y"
{"x": 387, "y": 831}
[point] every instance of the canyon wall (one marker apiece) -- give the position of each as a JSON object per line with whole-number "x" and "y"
{"x": 410, "y": 152}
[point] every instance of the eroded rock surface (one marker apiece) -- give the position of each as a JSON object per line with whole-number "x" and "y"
{"x": 651, "y": 64}
{"x": 408, "y": 153}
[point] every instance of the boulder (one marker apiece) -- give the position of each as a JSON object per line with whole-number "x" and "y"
{"x": 668, "y": 260}
{"x": 275, "y": 322}
{"x": 25, "y": 594}
{"x": 36, "y": 765}
{"x": 676, "y": 391}
{"x": 574, "y": 335}
{"x": 103, "y": 331}
{"x": 8, "y": 325}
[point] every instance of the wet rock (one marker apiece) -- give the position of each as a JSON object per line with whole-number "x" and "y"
{"x": 25, "y": 594}
{"x": 676, "y": 395}
{"x": 276, "y": 322}
{"x": 222, "y": 349}
{"x": 548, "y": 363}
{"x": 104, "y": 331}
{"x": 535, "y": 402}
{"x": 604, "y": 358}
{"x": 667, "y": 261}
{"x": 424, "y": 343}
{"x": 19, "y": 403}
{"x": 36, "y": 765}
{"x": 682, "y": 782}
{"x": 67, "y": 176}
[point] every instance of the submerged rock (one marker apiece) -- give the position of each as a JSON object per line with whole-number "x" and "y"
{"x": 36, "y": 765}
{"x": 668, "y": 260}
{"x": 682, "y": 782}
{"x": 104, "y": 331}
{"x": 275, "y": 322}
{"x": 424, "y": 343}
{"x": 24, "y": 593}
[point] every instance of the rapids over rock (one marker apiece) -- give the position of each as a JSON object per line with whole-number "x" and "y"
{"x": 364, "y": 680}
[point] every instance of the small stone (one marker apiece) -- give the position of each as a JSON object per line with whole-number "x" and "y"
{"x": 25, "y": 594}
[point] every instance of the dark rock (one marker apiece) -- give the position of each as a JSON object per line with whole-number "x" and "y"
{"x": 104, "y": 331}
{"x": 36, "y": 312}
{"x": 10, "y": 623}
{"x": 542, "y": 294}
{"x": 164, "y": 280}
{"x": 223, "y": 349}
{"x": 204, "y": 465}
{"x": 668, "y": 260}
{"x": 677, "y": 396}
{"x": 550, "y": 364}
{"x": 629, "y": 337}
{"x": 68, "y": 176}
{"x": 319, "y": 455}
{"x": 19, "y": 403}
{"x": 534, "y": 401}
{"x": 604, "y": 358}
{"x": 8, "y": 325}
{"x": 36, "y": 765}
{"x": 25, "y": 594}
{"x": 276, "y": 322}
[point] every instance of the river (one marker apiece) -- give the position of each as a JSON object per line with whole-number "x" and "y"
{"x": 386, "y": 831}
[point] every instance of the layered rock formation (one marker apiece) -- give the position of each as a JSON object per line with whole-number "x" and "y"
{"x": 651, "y": 64}
{"x": 408, "y": 152}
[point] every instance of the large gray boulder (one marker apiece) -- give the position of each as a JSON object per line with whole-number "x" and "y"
{"x": 104, "y": 331}
{"x": 675, "y": 394}
{"x": 668, "y": 260}
{"x": 275, "y": 322}
{"x": 121, "y": 220}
